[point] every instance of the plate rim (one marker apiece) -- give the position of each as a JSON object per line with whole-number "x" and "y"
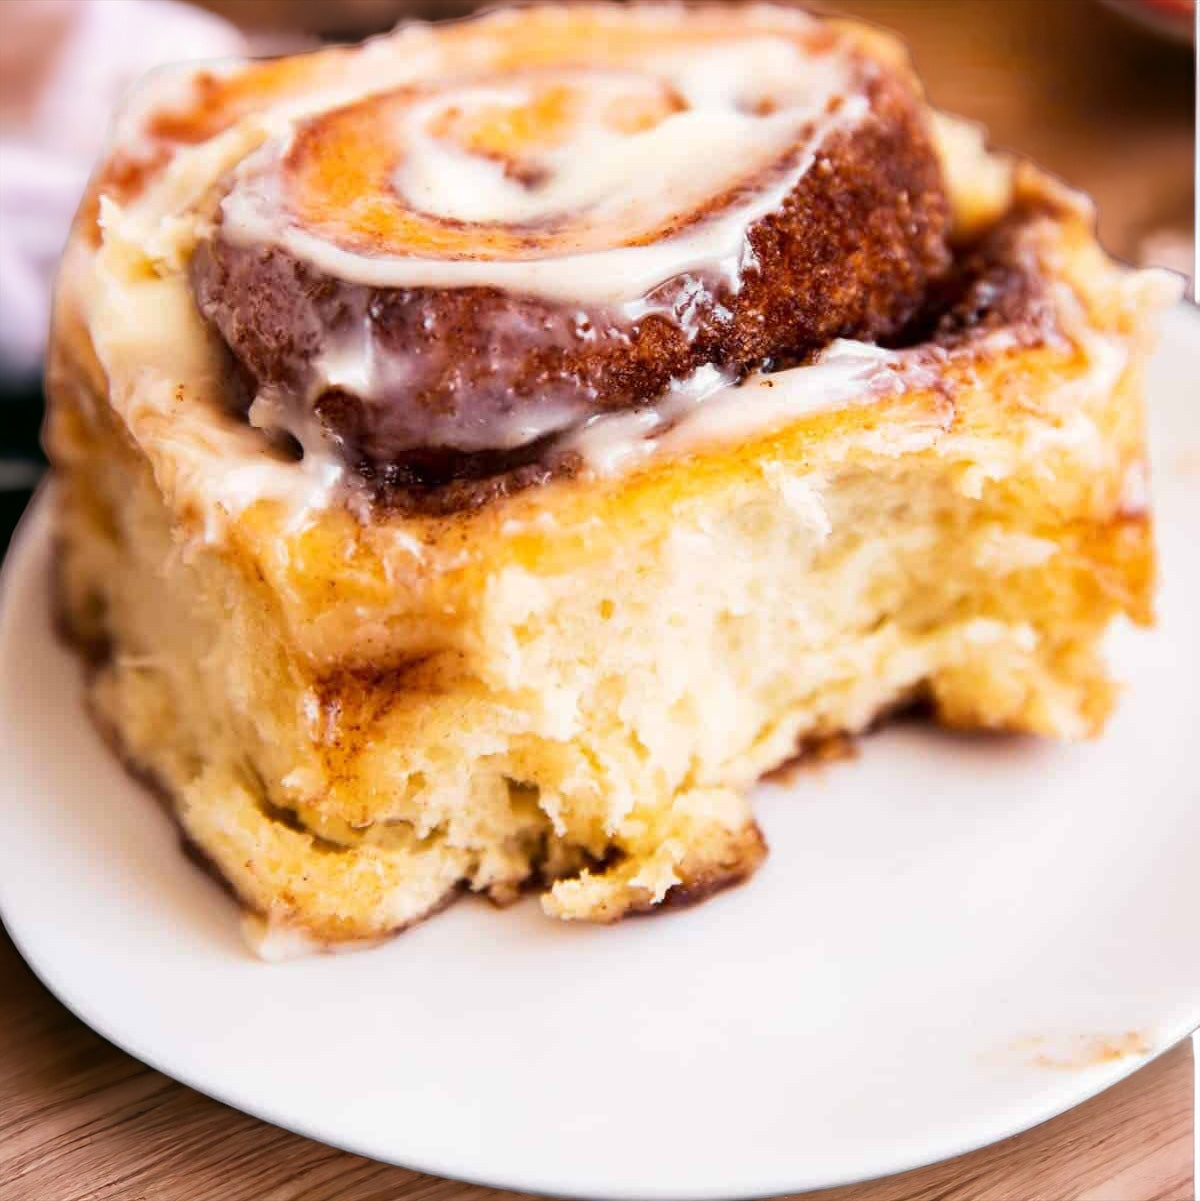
{"x": 31, "y": 543}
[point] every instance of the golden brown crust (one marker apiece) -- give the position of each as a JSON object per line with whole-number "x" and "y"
{"x": 740, "y": 861}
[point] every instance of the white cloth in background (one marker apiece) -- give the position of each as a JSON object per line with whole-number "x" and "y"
{"x": 64, "y": 67}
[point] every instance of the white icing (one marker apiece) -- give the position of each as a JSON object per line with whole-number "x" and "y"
{"x": 149, "y": 337}
{"x": 614, "y": 186}
{"x": 166, "y": 379}
{"x": 168, "y": 386}
{"x": 707, "y": 409}
{"x": 625, "y": 182}
{"x": 354, "y": 359}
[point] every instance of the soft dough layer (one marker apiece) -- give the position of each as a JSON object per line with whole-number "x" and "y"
{"x": 357, "y": 711}
{"x": 576, "y": 686}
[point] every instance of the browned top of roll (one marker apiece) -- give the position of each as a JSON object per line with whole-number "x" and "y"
{"x": 441, "y": 276}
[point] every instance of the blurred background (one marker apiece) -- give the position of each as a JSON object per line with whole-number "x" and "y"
{"x": 1100, "y": 91}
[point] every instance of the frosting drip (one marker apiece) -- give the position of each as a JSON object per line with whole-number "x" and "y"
{"x": 561, "y": 213}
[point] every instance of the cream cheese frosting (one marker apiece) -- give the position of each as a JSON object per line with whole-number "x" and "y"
{"x": 168, "y": 374}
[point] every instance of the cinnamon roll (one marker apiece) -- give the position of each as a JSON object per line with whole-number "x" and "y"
{"x": 484, "y": 452}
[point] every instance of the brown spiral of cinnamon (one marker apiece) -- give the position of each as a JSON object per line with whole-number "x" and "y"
{"x": 529, "y": 218}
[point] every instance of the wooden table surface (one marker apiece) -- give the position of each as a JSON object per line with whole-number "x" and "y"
{"x": 1111, "y": 111}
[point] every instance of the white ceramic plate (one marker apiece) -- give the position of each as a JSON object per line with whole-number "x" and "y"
{"x": 953, "y": 939}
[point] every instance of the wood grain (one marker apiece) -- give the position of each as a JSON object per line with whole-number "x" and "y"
{"x": 1112, "y": 112}
{"x": 81, "y": 1121}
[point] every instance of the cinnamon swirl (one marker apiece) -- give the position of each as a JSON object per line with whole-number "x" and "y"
{"x": 484, "y": 452}
{"x": 448, "y": 274}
